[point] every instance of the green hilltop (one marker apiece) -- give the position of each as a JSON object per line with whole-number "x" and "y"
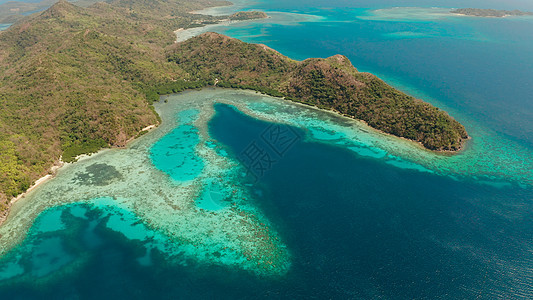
{"x": 74, "y": 80}
{"x": 248, "y": 15}
{"x": 331, "y": 83}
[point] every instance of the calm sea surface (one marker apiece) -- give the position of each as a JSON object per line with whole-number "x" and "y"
{"x": 354, "y": 226}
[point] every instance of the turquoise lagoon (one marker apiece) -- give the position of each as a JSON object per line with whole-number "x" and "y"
{"x": 345, "y": 212}
{"x": 205, "y": 219}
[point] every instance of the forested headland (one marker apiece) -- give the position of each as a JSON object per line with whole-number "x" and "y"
{"x": 74, "y": 80}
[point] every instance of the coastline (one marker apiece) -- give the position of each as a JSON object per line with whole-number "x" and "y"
{"x": 362, "y": 123}
{"x": 4, "y": 215}
{"x": 222, "y": 10}
{"x": 181, "y": 35}
{"x": 52, "y": 172}
{"x": 136, "y": 179}
{"x": 494, "y": 17}
{"x": 417, "y": 143}
{"x": 23, "y": 212}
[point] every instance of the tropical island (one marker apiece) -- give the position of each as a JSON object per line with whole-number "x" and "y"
{"x": 248, "y": 15}
{"x": 494, "y": 13}
{"x": 74, "y": 80}
{"x": 12, "y": 11}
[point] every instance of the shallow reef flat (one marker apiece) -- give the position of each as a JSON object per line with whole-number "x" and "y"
{"x": 275, "y": 18}
{"x": 419, "y": 14}
{"x": 486, "y": 158}
{"x": 411, "y": 14}
{"x": 178, "y": 191}
{"x": 200, "y": 212}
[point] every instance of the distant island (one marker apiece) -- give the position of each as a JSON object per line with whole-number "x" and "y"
{"x": 248, "y": 15}
{"x": 12, "y": 11}
{"x": 494, "y": 13}
{"x": 74, "y": 80}
{"x": 331, "y": 83}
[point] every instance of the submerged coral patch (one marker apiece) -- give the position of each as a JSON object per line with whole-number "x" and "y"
{"x": 178, "y": 191}
{"x": 174, "y": 189}
{"x": 98, "y": 174}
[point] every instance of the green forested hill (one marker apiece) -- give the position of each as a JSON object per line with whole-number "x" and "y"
{"x": 75, "y": 79}
{"x": 72, "y": 80}
{"x": 331, "y": 83}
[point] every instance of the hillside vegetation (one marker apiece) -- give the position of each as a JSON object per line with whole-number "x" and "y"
{"x": 73, "y": 80}
{"x": 331, "y": 83}
{"x": 248, "y": 15}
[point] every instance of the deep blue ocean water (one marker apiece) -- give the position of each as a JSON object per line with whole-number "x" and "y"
{"x": 356, "y": 227}
{"x": 478, "y": 69}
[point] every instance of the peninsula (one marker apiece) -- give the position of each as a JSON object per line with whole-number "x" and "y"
{"x": 248, "y": 15}
{"x": 494, "y": 13}
{"x": 74, "y": 80}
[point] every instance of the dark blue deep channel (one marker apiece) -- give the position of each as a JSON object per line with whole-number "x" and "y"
{"x": 356, "y": 229}
{"x": 360, "y": 228}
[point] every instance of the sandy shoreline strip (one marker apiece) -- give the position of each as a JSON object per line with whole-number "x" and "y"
{"x": 36, "y": 184}
{"x": 183, "y": 34}
{"x": 148, "y": 128}
{"x": 465, "y": 15}
{"x": 45, "y": 178}
{"x": 52, "y": 173}
{"x": 188, "y": 33}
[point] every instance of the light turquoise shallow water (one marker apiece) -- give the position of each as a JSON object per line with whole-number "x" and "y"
{"x": 174, "y": 189}
{"x": 346, "y": 213}
{"x": 217, "y": 218}
{"x": 174, "y": 154}
{"x": 477, "y": 69}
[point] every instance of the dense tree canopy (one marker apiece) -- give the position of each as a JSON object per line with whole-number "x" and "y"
{"x": 73, "y": 80}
